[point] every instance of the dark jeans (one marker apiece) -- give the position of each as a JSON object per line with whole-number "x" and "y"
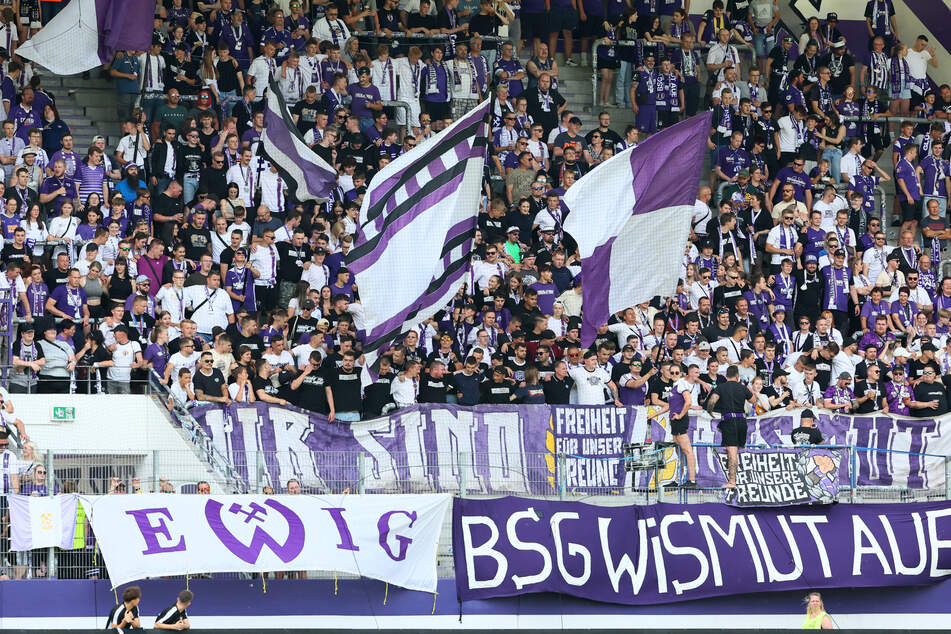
{"x": 52, "y": 385}
{"x": 691, "y": 98}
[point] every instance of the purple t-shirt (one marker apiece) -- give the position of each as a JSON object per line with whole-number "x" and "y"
{"x": 547, "y": 293}
{"x": 25, "y": 121}
{"x": 158, "y": 355}
{"x": 69, "y": 301}
{"x": 799, "y": 180}
{"x": 360, "y": 96}
{"x": 53, "y": 183}
{"x": 906, "y": 314}
{"x": 241, "y": 282}
{"x": 905, "y": 172}
{"x": 71, "y": 159}
{"x": 732, "y": 161}
{"x": 871, "y": 311}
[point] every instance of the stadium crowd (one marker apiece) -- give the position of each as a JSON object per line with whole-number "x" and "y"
{"x": 180, "y": 254}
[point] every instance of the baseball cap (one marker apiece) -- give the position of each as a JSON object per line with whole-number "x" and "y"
{"x": 779, "y": 308}
{"x": 627, "y": 347}
{"x": 901, "y": 352}
{"x": 142, "y": 279}
{"x": 832, "y": 16}
{"x": 811, "y": 258}
{"x": 320, "y": 251}
{"x": 513, "y": 229}
{"x": 29, "y": 152}
{"x": 703, "y": 345}
{"x": 98, "y": 138}
{"x": 323, "y": 322}
{"x": 363, "y": 70}
{"x": 307, "y": 304}
{"x": 839, "y": 44}
{"x": 845, "y": 376}
{"x": 27, "y": 326}
{"x": 575, "y": 120}
{"x": 807, "y": 413}
{"x": 839, "y": 253}
{"x": 743, "y": 172}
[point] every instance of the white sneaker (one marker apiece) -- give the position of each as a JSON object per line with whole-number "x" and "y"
{"x": 571, "y": 62}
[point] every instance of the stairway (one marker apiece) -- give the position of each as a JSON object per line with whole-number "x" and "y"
{"x": 575, "y": 85}
{"x": 87, "y": 106}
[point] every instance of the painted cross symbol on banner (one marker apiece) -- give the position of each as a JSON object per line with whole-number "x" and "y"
{"x": 253, "y": 514}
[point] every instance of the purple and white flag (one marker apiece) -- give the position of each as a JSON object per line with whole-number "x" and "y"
{"x": 87, "y": 33}
{"x": 308, "y": 177}
{"x": 42, "y": 522}
{"x": 417, "y": 224}
{"x": 631, "y": 219}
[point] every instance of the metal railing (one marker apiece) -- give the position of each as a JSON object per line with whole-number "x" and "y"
{"x": 595, "y": 73}
{"x": 545, "y": 475}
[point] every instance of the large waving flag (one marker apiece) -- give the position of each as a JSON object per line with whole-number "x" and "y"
{"x": 42, "y": 522}
{"x": 417, "y": 224}
{"x": 308, "y": 176}
{"x": 86, "y": 34}
{"x": 631, "y": 219}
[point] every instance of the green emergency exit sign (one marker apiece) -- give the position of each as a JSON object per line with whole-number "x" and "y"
{"x": 63, "y": 415}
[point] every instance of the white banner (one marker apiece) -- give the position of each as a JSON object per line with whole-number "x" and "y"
{"x": 392, "y": 538}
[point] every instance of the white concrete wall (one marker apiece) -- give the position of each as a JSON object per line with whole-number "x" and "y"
{"x": 116, "y": 434}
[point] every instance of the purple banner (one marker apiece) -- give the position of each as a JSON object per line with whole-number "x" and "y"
{"x": 888, "y": 448}
{"x": 783, "y": 477}
{"x": 664, "y": 553}
{"x": 484, "y": 449}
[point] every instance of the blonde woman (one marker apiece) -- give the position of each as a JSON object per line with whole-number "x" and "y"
{"x": 209, "y": 73}
{"x": 558, "y": 322}
{"x": 816, "y": 617}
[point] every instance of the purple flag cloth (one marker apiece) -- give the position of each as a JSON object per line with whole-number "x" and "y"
{"x": 631, "y": 219}
{"x": 123, "y": 25}
{"x": 87, "y": 33}
{"x": 308, "y": 177}
{"x": 641, "y": 555}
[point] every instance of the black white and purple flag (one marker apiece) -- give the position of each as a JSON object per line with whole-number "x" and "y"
{"x": 308, "y": 176}
{"x": 631, "y": 219}
{"x": 417, "y": 224}
{"x": 87, "y": 33}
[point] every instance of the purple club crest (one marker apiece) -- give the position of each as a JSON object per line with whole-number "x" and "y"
{"x": 249, "y": 553}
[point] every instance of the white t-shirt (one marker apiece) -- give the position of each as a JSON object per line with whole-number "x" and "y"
{"x": 918, "y": 63}
{"x": 179, "y": 361}
{"x": 9, "y": 466}
{"x": 829, "y": 210}
{"x": 122, "y": 358}
{"x": 590, "y": 385}
{"x": 213, "y": 312}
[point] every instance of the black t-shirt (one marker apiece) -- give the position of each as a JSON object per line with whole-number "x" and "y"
{"x": 254, "y": 342}
{"x": 558, "y": 391}
{"x": 265, "y": 384}
{"x": 311, "y": 394}
{"x": 139, "y": 328}
{"x": 193, "y": 159}
{"x": 11, "y": 253}
{"x": 227, "y": 75}
{"x": 484, "y": 24}
{"x": 301, "y": 326}
{"x": 916, "y": 368}
{"x": 873, "y": 404}
{"x": 210, "y": 384}
{"x": 292, "y": 261}
{"x": 171, "y": 615}
{"x": 771, "y": 392}
{"x": 306, "y": 114}
{"x": 926, "y": 392}
{"x": 186, "y": 68}
{"x": 117, "y": 614}
{"x": 433, "y": 390}
{"x": 54, "y": 278}
{"x": 345, "y": 387}
{"x": 377, "y": 395}
{"x": 660, "y": 387}
{"x": 517, "y": 368}
{"x": 494, "y": 393}
{"x": 806, "y": 436}
{"x": 196, "y": 242}
{"x": 163, "y": 205}
{"x": 733, "y": 396}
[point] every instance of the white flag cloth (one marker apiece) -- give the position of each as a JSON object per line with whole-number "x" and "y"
{"x": 631, "y": 219}
{"x": 42, "y": 522}
{"x": 393, "y": 538}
